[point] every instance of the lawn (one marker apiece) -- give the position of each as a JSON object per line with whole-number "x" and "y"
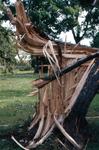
{"x": 15, "y": 104}
{"x": 16, "y": 107}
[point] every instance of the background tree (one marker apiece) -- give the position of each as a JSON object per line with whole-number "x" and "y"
{"x": 52, "y": 17}
{"x": 95, "y": 42}
{"x": 7, "y": 46}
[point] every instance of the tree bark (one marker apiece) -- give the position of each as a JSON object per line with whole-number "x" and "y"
{"x": 76, "y": 124}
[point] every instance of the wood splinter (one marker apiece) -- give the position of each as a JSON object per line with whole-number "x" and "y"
{"x": 67, "y": 136}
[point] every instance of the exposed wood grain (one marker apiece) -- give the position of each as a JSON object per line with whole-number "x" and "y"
{"x": 43, "y": 81}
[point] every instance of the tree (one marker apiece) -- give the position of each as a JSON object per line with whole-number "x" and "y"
{"x": 63, "y": 105}
{"x": 54, "y": 16}
{"x": 95, "y": 42}
{"x": 7, "y": 47}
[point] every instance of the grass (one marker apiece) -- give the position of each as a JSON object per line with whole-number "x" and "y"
{"x": 16, "y": 107}
{"x": 94, "y": 124}
{"x": 94, "y": 142}
{"x": 94, "y": 107}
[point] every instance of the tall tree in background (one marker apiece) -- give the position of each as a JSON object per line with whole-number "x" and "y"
{"x": 55, "y": 16}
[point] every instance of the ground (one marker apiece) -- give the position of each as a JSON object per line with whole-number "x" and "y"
{"x": 16, "y": 107}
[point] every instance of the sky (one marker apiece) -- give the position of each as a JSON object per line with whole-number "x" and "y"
{"x": 68, "y": 37}
{"x": 12, "y": 1}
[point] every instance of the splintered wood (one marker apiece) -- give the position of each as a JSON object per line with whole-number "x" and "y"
{"x": 57, "y": 97}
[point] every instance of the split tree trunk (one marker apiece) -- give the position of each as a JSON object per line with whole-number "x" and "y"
{"x": 76, "y": 124}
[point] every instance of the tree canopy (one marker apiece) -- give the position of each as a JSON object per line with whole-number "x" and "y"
{"x": 55, "y": 16}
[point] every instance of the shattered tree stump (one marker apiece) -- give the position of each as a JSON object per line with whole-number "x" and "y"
{"x": 66, "y": 93}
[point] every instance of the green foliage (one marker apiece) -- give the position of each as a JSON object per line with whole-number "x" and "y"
{"x": 96, "y": 41}
{"x": 94, "y": 107}
{"x": 7, "y": 49}
{"x": 7, "y": 45}
{"x": 55, "y": 16}
{"x": 51, "y": 16}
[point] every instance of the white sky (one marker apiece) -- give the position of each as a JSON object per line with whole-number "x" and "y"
{"x": 12, "y": 1}
{"x": 68, "y": 37}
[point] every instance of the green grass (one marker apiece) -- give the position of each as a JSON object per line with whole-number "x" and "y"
{"x": 94, "y": 141}
{"x": 94, "y": 107}
{"x": 15, "y": 104}
{"x": 16, "y": 107}
{"x": 94, "y": 124}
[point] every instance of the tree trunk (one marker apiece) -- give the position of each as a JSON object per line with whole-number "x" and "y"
{"x": 76, "y": 124}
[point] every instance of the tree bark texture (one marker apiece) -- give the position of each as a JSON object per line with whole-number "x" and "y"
{"x": 76, "y": 124}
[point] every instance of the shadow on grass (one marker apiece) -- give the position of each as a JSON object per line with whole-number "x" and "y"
{"x": 94, "y": 139}
{"x": 52, "y": 144}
